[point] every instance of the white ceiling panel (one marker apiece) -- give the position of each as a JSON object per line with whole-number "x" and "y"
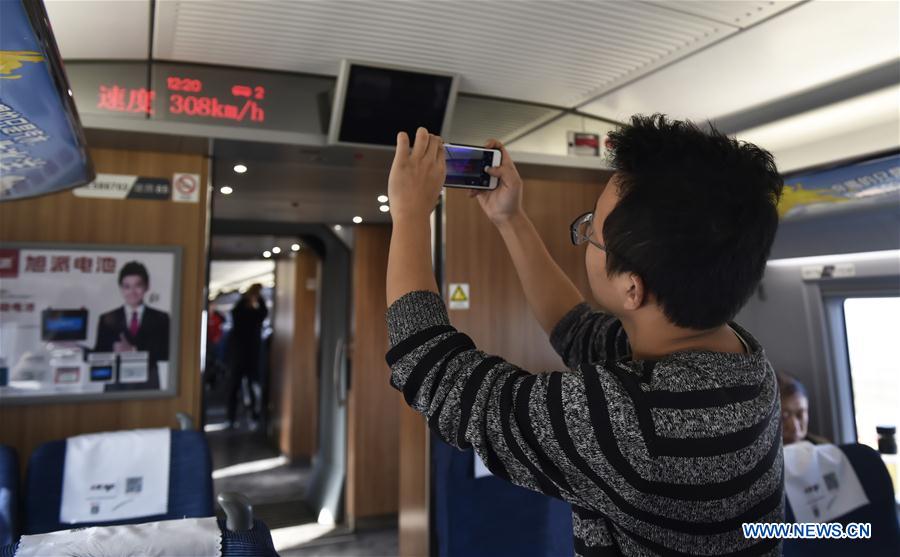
{"x": 100, "y": 29}
{"x": 806, "y": 47}
{"x": 476, "y": 119}
{"x": 866, "y": 124}
{"x": 560, "y": 53}
{"x": 731, "y": 12}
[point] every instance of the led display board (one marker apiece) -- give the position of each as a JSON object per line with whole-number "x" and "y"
{"x": 198, "y": 94}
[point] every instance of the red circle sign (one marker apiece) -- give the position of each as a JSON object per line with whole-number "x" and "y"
{"x": 186, "y": 184}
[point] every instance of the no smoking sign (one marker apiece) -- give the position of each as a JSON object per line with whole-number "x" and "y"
{"x": 186, "y": 188}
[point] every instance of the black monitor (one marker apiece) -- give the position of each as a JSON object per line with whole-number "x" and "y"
{"x": 64, "y": 324}
{"x": 372, "y": 103}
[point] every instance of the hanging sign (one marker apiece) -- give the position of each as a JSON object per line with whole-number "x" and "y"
{"x": 42, "y": 147}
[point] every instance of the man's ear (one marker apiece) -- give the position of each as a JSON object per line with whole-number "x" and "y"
{"x": 635, "y": 293}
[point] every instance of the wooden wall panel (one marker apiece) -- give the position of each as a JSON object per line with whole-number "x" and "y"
{"x": 64, "y": 218}
{"x": 415, "y": 481}
{"x": 499, "y": 319}
{"x": 373, "y": 405}
{"x": 282, "y": 395}
{"x": 295, "y": 355}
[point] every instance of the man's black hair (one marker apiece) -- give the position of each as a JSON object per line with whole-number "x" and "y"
{"x": 696, "y": 218}
{"x": 789, "y": 385}
{"x": 134, "y": 268}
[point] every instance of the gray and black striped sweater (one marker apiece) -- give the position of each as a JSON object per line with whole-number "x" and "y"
{"x": 664, "y": 457}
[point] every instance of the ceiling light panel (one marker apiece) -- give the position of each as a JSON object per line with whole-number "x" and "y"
{"x": 560, "y": 53}
{"x": 732, "y": 12}
{"x": 866, "y": 124}
{"x": 100, "y": 29}
{"x": 476, "y": 119}
{"x": 801, "y": 49}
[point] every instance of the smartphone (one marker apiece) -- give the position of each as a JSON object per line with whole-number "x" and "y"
{"x": 465, "y": 166}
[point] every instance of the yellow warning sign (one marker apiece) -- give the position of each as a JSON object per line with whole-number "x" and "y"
{"x": 459, "y": 295}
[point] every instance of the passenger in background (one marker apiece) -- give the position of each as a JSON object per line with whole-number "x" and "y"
{"x": 244, "y": 344}
{"x": 215, "y": 364}
{"x": 795, "y": 411}
{"x": 214, "y": 328}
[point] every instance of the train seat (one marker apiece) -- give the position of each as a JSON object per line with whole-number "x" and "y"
{"x": 190, "y": 484}
{"x": 9, "y": 488}
{"x": 880, "y": 512}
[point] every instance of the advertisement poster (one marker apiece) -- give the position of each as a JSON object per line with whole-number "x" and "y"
{"x": 871, "y": 181}
{"x": 42, "y": 148}
{"x": 81, "y": 322}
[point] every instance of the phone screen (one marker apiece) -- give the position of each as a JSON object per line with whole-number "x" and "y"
{"x": 465, "y": 166}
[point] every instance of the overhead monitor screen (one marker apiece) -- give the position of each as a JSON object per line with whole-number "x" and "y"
{"x": 374, "y": 103}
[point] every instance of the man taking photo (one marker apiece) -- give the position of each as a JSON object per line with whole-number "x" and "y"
{"x": 664, "y": 434}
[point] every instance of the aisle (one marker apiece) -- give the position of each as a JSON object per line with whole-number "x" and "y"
{"x": 244, "y": 462}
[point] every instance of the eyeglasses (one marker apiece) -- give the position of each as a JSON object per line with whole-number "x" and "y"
{"x": 582, "y": 229}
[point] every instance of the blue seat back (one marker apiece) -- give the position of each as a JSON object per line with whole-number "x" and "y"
{"x": 881, "y": 513}
{"x": 190, "y": 484}
{"x": 9, "y": 494}
{"x": 490, "y": 517}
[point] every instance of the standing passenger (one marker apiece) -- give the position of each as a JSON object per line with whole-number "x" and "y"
{"x": 665, "y": 434}
{"x": 244, "y": 341}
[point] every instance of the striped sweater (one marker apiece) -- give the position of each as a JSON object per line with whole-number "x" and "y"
{"x": 665, "y": 457}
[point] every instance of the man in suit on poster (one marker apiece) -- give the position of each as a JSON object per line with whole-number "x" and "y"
{"x": 135, "y": 326}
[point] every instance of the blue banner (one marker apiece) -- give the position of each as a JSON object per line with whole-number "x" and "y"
{"x": 41, "y": 142}
{"x": 870, "y": 180}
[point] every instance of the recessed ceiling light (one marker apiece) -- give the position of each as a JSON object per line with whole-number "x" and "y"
{"x": 382, "y": 199}
{"x": 240, "y": 168}
{"x": 267, "y": 254}
{"x": 338, "y": 227}
{"x": 226, "y": 190}
{"x": 357, "y": 220}
{"x": 295, "y": 247}
{"x": 276, "y": 250}
{"x": 384, "y": 208}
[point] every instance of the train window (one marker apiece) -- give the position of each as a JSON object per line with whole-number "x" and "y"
{"x": 872, "y": 327}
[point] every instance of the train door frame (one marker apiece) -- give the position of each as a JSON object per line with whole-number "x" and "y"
{"x": 326, "y": 488}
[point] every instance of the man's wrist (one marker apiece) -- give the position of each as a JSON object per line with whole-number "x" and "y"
{"x": 510, "y": 223}
{"x": 410, "y": 219}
